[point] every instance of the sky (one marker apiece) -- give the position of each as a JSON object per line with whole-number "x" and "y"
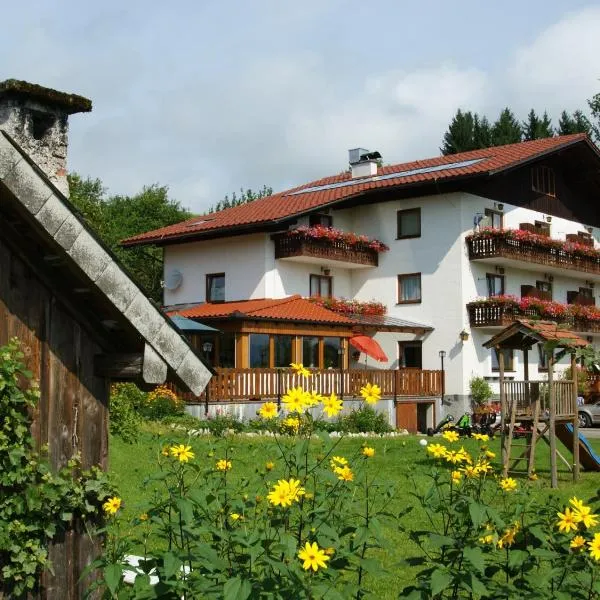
{"x": 207, "y": 96}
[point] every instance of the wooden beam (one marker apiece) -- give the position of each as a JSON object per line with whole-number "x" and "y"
{"x": 118, "y": 366}
{"x": 575, "y": 378}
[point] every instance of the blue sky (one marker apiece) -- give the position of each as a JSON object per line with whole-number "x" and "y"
{"x": 207, "y": 96}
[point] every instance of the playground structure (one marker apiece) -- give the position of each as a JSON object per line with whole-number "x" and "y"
{"x": 545, "y": 410}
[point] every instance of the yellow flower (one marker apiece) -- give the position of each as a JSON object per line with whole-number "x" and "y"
{"x": 508, "y": 484}
{"x": 112, "y": 505}
{"x": 594, "y": 546}
{"x": 456, "y": 476}
{"x": 482, "y": 437}
{"x": 489, "y": 454}
{"x": 292, "y": 423}
{"x": 487, "y": 539}
{"x": 577, "y": 543}
{"x": 567, "y": 521}
{"x": 165, "y": 451}
{"x": 223, "y": 465}
{"x": 371, "y": 393}
{"x": 576, "y": 503}
{"x": 313, "y": 557}
{"x": 583, "y": 514}
{"x": 312, "y": 399}
{"x": 268, "y": 410}
{"x": 285, "y": 492}
{"x": 144, "y": 517}
{"x": 457, "y": 456}
{"x": 338, "y": 461}
{"x": 533, "y": 476}
{"x": 344, "y": 473}
{"x": 269, "y": 465}
{"x": 182, "y": 453}
{"x": 470, "y": 471}
{"x": 330, "y": 551}
{"x": 483, "y": 466}
{"x": 235, "y": 516}
{"x": 295, "y": 399}
{"x": 437, "y": 450}
{"x": 508, "y": 538}
{"x": 368, "y": 452}
{"x": 451, "y": 436}
{"x": 332, "y": 405}
{"x": 300, "y": 369}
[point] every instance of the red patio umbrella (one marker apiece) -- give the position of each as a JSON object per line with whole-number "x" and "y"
{"x": 369, "y": 346}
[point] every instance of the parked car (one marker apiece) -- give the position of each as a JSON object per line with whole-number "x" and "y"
{"x": 589, "y": 414}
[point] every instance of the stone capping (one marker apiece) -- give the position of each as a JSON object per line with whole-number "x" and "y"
{"x": 70, "y": 103}
{"x": 164, "y": 344}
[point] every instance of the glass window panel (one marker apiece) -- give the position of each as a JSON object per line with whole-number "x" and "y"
{"x": 409, "y": 288}
{"x": 283, "y": 350}
{"x": 543, "y": 358}
{"x": 259, "y": 350}
{"x": 227, "y": 350}
{"x": 215, "y": 288}
{"x": 409, "y": 223}
{"x": 508, "y": 359}
{"x": 331, "y": 355}
{"x": 495, "y": 284}
{"x": 310, "y": 352}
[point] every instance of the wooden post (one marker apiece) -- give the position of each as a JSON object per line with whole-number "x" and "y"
{"x": 575, "y": 418}
{"x": 502, "y": 409}
{"x": 552, "y": 422}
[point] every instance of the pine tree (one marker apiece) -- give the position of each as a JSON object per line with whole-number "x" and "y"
{"x": 578, "y": 123}
{"x": 482, "y": 132}
{"x": 594, "y": 104}
{"x": 531, "y": 126}
{"x": 459, "y": 137}
{"x": 506, "y": 130}
{"x": 244, "y": 197}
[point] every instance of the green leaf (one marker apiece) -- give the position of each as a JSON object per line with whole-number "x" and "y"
{"x": 478, "y": 514}
{"x": 237, "y": 589}
{"x": 171, "y": 564}
{"x": 475, "y": 557}
{"x": 439, "y": 580}
{"x": 112, "y": 577}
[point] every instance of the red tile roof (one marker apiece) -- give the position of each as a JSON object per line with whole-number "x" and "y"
{"x": 292, "y": 308}
{"x": 294, "y": 202}
{"x": 553, "y": 332}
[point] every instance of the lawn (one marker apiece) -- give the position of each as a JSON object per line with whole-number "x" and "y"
{"x": 401, "y": 460}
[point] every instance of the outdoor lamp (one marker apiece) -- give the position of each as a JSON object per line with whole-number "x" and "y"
{"x": 464, "y": 335}
{"x": 207, "y": 347}
{"x": 442, "y": 354}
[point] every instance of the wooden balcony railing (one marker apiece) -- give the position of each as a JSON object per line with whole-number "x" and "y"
{"x": 495, "y": 247}
{"x": 527, "y": 393}
{"x": 244, "y": 385}
{"x": 338, "y": 250}
{"x": 490, "y": 314}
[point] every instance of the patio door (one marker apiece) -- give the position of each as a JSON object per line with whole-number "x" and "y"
{"x": 410, "y": 355}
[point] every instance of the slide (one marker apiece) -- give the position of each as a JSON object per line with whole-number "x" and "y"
{"x": 589, "y": 460}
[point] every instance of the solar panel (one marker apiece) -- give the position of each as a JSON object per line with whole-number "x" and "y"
{"x": 397, "y": 175}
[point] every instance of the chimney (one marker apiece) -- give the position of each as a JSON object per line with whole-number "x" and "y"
{"x": 36, "y": 118}
{"x": 363, "y": 163}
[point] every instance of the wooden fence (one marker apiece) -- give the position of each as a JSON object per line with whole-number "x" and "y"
{"x": 527, "y": 393}
{"x": 243, "y": 385}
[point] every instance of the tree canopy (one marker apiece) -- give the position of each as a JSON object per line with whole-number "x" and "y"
{"x": 244, "y": 197}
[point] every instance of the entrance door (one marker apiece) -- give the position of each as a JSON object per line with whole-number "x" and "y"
{"x": 410, "y": 355}
{"x": 406, "y": 416}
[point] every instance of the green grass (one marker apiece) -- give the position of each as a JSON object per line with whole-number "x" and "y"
{"x": 401, "y": 461}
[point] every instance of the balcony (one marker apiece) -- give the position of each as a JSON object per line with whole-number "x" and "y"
{"x": 500, "y": 312}
{"x": 322, "y": 245}
{"x": 541, "y": 253}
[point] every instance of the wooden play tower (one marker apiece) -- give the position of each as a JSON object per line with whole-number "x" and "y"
{"x": 543, "y": 409}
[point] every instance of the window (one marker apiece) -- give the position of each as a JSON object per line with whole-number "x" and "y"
{"x": 496, "y": 218}
{"x": 586, "y": 292}
{"x": 409, "y": 288}
{"x": 542, "y": 180}
{"x": 409, "y": 223}
{"x": 410, "y": 355}
{"x": 495, "y": 284}
{"x": 259, "y": 350}
{"x": 215, "y": 287}
{"x": 331, "y": 352}
{"x": 509, "y": 359}
{"x": 546, "y": 288}
{"x": 543, "y": 358}
{"x": 321, "y": 285}
{"x": 310, "y": 352}
{"x": 320, "y": 219}
{"x": 283, "y": 350}
{"x": 226, "y": 343}
{"x": 542, "y": 228}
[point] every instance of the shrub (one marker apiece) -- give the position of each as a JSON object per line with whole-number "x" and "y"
{"x": 162, "y": 402}
{"x": 125, "y": 400}
{"x": 481, "y": 391}
{"x": 363, "y": 420}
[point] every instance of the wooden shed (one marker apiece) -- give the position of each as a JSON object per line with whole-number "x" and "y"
{"x": 83, "y": 322}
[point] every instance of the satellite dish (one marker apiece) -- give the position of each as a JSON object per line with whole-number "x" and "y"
{"x": 174, "y": 279}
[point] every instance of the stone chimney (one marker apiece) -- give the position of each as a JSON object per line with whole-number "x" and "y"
{"x": 363, "y": 163}
{"x": 36, "y": 118}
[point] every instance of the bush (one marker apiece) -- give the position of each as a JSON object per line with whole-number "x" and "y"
{"x": 481, "y": 391}
{"x": 125, "y": 400}
{"x": 363, "y": 420}
{"x": 162, "y": 402}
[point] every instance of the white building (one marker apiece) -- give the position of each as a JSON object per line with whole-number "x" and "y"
{"x": 424, "y": 212}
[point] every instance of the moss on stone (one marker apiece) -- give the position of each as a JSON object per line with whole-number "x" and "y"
{"x": 71, "y": 103}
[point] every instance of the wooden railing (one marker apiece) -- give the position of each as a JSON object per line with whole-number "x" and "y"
{"x": 286, "y": 247}
{"x": 490, "y": 314}
{"x": 528, "y": 252}
{"x": 243, "y": 385}
{"x": 527, "y": 393}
